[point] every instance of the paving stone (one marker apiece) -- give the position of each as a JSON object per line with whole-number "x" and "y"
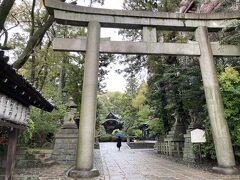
{"x": 127, "y": 164}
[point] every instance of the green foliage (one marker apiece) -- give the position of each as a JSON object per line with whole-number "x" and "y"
{"x": 42, "y": 127}
{"x": 175, "y": 84}
{"x": 156, "y": 126}
{"x": 110, "y": 101}
{"x": 110, "y": 138}
{"x": 229, "y": 80}
{"x": 28, "y": 133}
{"x": 115, "y": 131}
{"x": 136, "y": 133}
{"x": 232, "y": 36}
{"x": 207, "y": 148}
{"x": 107, "y": 138}
{"x": 230, "y": 88}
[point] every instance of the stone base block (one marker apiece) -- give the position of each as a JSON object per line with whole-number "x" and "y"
{"x": 77, "y": 173}
{"x": 226, "y": 170}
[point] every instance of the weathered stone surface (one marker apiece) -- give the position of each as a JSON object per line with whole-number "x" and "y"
{"x": 65, "y": 146}
{"x": 149, "y": 34}
{"x": 75, "y": 173}
{"x": 146, "y": 48}
{"x": 173, "y": 143}
{"x": 127, "y": 164}
{"x": 226, "y": 170}
{"x": 220, "y": 131}
{"x": 26, "y": 158}
{"x": 188, "y": 154}
{"x": 78, "y": 15}
{"x": 141, "y": 145}
{"x": 89, "y": 99}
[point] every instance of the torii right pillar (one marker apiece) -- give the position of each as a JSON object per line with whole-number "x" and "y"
{"x": 220, "y": 131}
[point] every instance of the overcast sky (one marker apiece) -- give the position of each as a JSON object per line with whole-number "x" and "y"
{"x": 114, "y": 81}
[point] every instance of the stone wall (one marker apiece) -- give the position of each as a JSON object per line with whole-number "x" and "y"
{"x": 26, "y": 158}
{"x": 65, "y": 146}
{"x": 33, "y": 158}
{"x": 141, "y": 145}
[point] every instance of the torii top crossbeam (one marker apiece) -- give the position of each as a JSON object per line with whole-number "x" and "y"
{"x": 70, "y": 14}
{"x": 149, "y": 22}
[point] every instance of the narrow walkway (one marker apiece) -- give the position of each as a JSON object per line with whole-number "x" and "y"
{"x": 132, "y": 164}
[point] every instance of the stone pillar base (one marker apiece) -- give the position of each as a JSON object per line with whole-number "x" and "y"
{"x": 78, "y": 173}
{"x": 226, "y": 170}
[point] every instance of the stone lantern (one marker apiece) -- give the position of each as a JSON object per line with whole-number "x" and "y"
{"x": 70, "y": 115}
{"x": 66, "y": 139}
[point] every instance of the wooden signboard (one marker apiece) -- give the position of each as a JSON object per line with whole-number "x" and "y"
{"x": 198, "y": 136}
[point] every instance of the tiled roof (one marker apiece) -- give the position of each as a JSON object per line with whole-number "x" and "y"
{"x": 18, "y": 88}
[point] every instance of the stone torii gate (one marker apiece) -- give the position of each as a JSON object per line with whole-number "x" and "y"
{"x": 149, "y": 22}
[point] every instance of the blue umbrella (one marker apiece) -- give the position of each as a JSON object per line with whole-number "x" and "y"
{"x": 118, "y": 134}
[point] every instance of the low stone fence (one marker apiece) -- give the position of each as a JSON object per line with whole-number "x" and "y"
{"x": 170, "y": 148}
{"x": 33, "y": 158}
{"x": 142, "y": 145}
{"x": 26, "y": 158}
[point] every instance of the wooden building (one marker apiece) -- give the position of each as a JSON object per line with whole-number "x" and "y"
{"x": 112, "y": 122}
{"x": 16, "y": 96}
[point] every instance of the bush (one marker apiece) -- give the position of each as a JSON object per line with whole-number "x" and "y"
{"x": 229, "y": 81}
{"x": 41, "y": 127}
{"x": 111, "y": 138}
{"x": 230, "y": 89}
{"x": 137, "y": 133}
{"x": 156, "y": 126}
{"x": 27, "y": 134}
{"x": 107, "y": 138}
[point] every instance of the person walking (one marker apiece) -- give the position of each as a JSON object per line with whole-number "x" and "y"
{"x": 119, "y": 142}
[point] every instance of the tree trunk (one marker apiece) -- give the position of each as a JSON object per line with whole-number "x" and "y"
{"x": 33, "y": 42}
{"x": 62, "y": 78}
{"x": 5, "y": 8}
{"x": 43, "y": 71}
{"x": 33, "y": 67}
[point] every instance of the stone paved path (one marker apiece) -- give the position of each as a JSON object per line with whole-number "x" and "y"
{"x": 127, "y": 164}
{"x": 142, "y": 164}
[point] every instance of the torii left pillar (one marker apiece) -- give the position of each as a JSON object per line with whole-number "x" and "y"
{"x": 84, "y": 165}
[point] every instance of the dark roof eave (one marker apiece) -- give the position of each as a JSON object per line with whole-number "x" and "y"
{"x": 18, "y": 88}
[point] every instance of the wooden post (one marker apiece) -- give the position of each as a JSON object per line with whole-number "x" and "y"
{"x": 11, "y": 153}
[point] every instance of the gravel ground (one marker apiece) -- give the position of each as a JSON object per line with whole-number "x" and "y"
{"x": 54, "y": 172}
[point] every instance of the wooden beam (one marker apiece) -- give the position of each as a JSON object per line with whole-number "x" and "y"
{"x": 11, "y": 153}
{"x": 6, "y": 123}
{"x": 144, "y": 48}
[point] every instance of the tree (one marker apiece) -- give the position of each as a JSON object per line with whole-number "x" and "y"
{"x": 5, "y": 8}
{"x": 232, "y": 36}
{"x": 40, "y": 22}
{"x": 230, "y": 87}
